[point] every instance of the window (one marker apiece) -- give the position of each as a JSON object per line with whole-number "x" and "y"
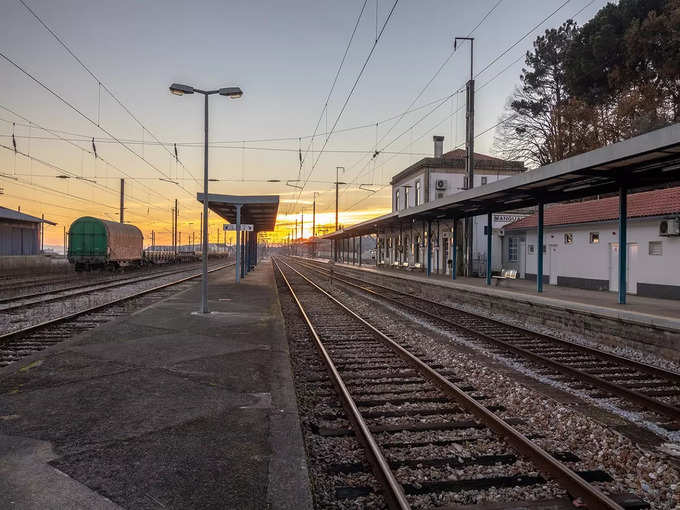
{"x": 656, "y": 248}
{"x": 396, "y": 200}
{"x": 484, "y": 180}
{"x": 594, "y": 238}
{"x": 405, "y": 198}
{"x": 513, "y": 244}
{"x": 418, "y": 194}
{"x": 569, "y": 238}
{"x": 531, "y": 248}
{"x": 440, "y": 194}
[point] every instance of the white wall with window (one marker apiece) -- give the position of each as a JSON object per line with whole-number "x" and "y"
{"x": 586, "y": 256}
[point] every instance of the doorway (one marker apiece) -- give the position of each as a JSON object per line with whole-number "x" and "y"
{"x": 631, "y": 260}
{"x": 553, "y": 264}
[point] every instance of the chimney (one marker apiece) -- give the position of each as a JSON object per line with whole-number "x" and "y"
{"x": 438, "y": 146}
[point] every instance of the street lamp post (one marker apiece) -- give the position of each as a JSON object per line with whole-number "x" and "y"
{"x": 231, "y": 92}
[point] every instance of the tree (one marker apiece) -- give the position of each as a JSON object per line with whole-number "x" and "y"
{"x": 533, "y": 128}
{"x": 616, "y": 77}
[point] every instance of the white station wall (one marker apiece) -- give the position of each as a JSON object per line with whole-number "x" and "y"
{"x": 581, "y": 259}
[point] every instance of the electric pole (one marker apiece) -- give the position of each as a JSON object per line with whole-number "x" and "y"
{"x": 302, "y": 224}
{"x": 469, "y": 150}
{"x": 175, "y": 229}
{"x": 337, "y": 184}
{"x": 316, "y": 193}
{"x": 122, "y": 200}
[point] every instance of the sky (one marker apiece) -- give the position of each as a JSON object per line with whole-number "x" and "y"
{"x": 285, "y": 56}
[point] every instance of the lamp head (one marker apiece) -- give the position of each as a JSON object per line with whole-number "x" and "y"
{"x": 232, "y": 92}
{"x": 179, "y": 89}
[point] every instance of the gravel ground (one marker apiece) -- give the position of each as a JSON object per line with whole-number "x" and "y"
{"x": 635, "y": 470}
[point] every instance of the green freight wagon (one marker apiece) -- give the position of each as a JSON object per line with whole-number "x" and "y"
{"x": 97, "y": 244}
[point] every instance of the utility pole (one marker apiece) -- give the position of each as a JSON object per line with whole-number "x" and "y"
{"x": 337, "y": 184}
{"x": 42, "y": 234}
{"x": 65, "y": 248}
{"x": 296, "y": 230}
{"x": 302, "y": 224}
{"x": 469, "y": 149}
{"x": 316, "y": 193}
{"x": 122, "y": 200}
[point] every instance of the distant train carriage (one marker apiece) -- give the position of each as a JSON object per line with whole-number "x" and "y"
{"x": 95, "y": 243}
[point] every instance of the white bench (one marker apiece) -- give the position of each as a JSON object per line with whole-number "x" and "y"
{"x": 506, "y": 274}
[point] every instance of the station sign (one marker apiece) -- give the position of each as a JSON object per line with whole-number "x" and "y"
{"x": 245, "y": 227}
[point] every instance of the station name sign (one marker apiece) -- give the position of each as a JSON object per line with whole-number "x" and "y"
{"x": 245, "y": 227}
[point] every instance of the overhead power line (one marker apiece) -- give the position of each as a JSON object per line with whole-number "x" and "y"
{"x": 88, "y": 151}
{"x": 75, "y": 109}
{"x": 99, "y": 82}
{"x": 351, "y": 92}
{"x": 335, "y": 80}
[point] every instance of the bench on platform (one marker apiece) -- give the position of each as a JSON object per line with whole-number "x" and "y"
{"x": 506, "y": 274}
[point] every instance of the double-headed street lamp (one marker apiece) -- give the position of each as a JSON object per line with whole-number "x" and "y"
{"x": 234, "y": 93}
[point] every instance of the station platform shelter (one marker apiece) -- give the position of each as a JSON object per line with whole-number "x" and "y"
{"x": 256, "y": 213}
{"x": 428, "y": 237}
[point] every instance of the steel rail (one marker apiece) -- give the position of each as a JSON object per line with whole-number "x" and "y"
{"x": 392, "y": 489}
{"x": 571, "y": 481}
{"x": 617, "y": 389}
{"x": 97, "y": 286}
{"x": 639, "y": 365}
{"x": 7, "y": 337}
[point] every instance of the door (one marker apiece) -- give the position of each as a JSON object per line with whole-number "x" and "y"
{"x": 445, "y": 255}
{"x": 553, "y": 263}
{"x": 614, "y": 267}
{"x": 631, "y": 262}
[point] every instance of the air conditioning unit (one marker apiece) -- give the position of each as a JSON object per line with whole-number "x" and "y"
{"x": 441, "y": 184}
{"x": 670, "y": 227}
{"x": 501, "y": 233}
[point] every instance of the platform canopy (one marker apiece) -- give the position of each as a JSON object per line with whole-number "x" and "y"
{"x": 645, "y": 162}
{"x": 258, "y": 210}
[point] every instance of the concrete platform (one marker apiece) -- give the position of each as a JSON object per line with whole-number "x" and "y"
{"x": 653, "y": 325}
{"x": 164, "y": 409}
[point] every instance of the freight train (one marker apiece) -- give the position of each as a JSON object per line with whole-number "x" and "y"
{"x": 98, "y": 244}
{"x": 94, "y": 243}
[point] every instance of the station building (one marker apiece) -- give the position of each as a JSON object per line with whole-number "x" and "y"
{"x": 581, "y": 246}
{"x": 434, "y": 178}
{"x": 415, "y": 235}
{"x": 20, "y": 233}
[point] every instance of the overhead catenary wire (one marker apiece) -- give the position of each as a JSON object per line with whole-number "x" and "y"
{"x": 351, "y": 92}
{"x": 55, "y": 133}
{"x": 86, "y": 117}
{"x": 504, "y": 52}
{"x": 100, "y": 84}
{"x": 335, "y": 81}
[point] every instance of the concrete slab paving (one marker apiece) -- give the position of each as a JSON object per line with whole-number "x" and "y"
{"x": 162, "y": 409}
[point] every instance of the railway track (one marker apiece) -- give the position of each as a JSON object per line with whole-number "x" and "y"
{"x": 22, "y": 301}
{"x": 393, "y": 396}
{"x": 10, "y": 284}
{"x": 20, "y": 343}
{"x": 597, "y": 373}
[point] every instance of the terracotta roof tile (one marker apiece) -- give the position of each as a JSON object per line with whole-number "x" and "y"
{"x": 649, "y": 203}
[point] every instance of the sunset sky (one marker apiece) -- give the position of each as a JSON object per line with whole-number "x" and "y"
{"x": 284, "y": 55}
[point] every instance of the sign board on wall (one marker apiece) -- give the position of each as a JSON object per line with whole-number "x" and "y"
{"x": 245, "y": 227}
